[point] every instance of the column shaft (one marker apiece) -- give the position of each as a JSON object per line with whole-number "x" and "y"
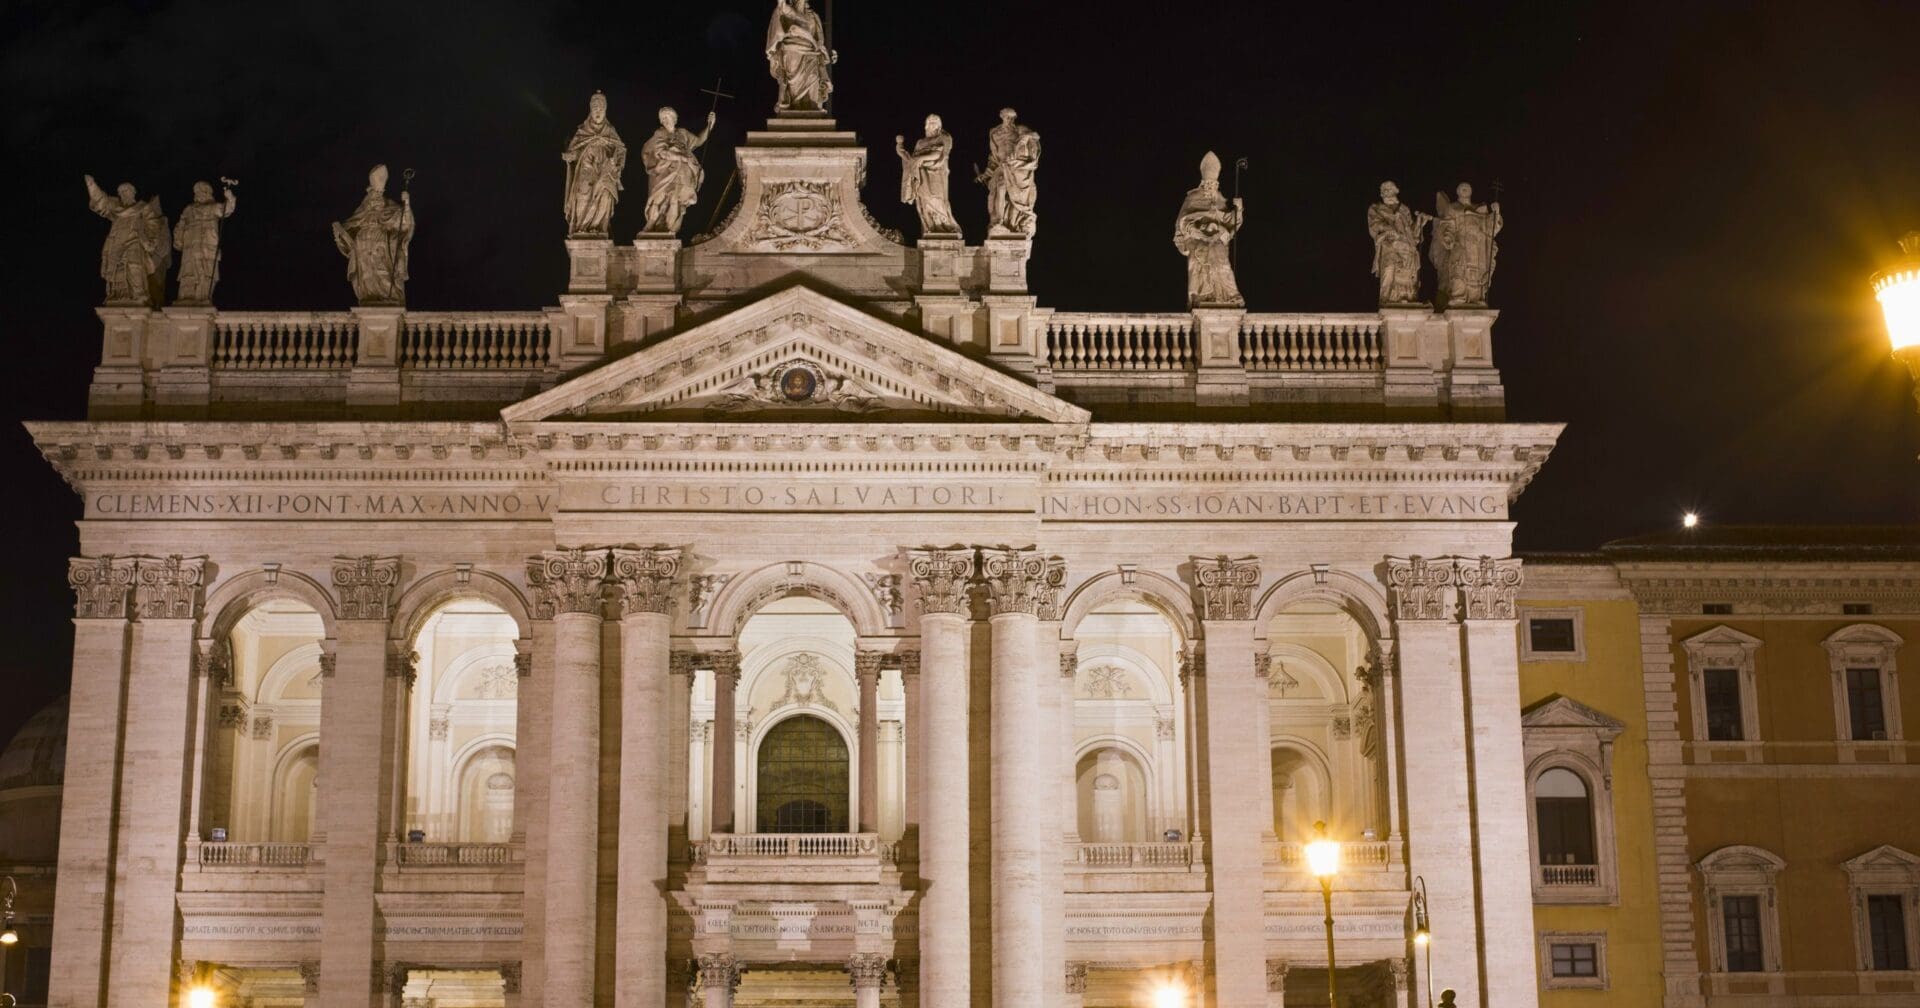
{"x": 353, "y": 727}
{"x": 1057, "y": 806}
{"x": 1019, "y": 933}
{"x": 726, "y": 676}
{"x": 867, "y": 665}
{"x": 1499, "y": 802}
{"x": 573, "y": 822}
{"x": 945, "y": 795}
{"x": 1238, "y": 764}
{"x": 88, "y": 806}
{"x": 1439, "y": 826}
{"x": 640, "y": 951}
{"x": 532, "y": 758}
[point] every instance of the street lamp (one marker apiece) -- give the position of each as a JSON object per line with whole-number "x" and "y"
{"x": 1898, "y": 290}
{"x": 200, "y": 997}
{"x": 1423, "y": 931}
{"x": 9, "y": 937}
{"x": 1170, "y": 995}
{"x": 1323, "y": 859}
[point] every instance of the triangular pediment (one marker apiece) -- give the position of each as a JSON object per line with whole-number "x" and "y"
{"x": 1883, "y": 858}
{"x": 1559, "y": 711}
{"x": 797, "y": 354}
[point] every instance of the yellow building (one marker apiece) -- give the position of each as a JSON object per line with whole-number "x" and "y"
{"x": 1786, "y": 796}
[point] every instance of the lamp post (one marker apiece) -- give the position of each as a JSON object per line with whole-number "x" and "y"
{"x": 1898, "y": 289}
{"x": 1423, "y": 931}
{"x": 1323, "y": 859}
{"x": 9, "y": 937}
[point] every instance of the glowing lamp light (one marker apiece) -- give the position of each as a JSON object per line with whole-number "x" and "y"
{"x": 200, "y": 997}
{"x": 1898, "y": 290}
{"x": 1170, "y": 996}
{"x": 9, "y": 936}
{"x": 1690, "y": 520}
{"x": 1422, "y": 937}
{"x": 1323, "y": 855}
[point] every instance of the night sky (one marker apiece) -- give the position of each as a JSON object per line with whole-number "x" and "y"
{"x": 1695, "y": 195}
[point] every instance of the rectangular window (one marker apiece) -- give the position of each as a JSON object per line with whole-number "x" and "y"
{"x": 1863, "y": 704}
{"x": 1741, "y": 917}
{"x": 1551, "y": 635}
{"x": 1716, "y": 608}
{"x": 1856, "y": 608}
{"x": 1887, "y": 930}
{"x": 1723, "y": 705}
{"x": 1576, "y": 960}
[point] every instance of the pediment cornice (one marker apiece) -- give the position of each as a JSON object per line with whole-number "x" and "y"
{"x": 796, "y": 352}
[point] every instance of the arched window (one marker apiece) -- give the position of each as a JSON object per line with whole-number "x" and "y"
{"x": 802, "y": 785}
{"x": 1563, "y": 811}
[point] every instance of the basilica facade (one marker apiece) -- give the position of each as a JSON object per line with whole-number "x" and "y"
{"x": 796, "y": 615}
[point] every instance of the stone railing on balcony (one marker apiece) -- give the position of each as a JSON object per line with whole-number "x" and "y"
{"x": 455, "y": 856}
{"x": 1085, "y": 341}
{"x": 1179, "y": 856}
{"x": 284, "y": 341}
{"x": 476, "y": 341}
{"x": 1576, "y": 875}
{"x": 255, "y": 856}
{"x": 1355, "y": 856}
{"x": 1311, "y": 343}
{"x": 797, "y": 857}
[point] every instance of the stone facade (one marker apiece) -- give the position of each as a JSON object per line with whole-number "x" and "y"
{"x": 707, "y": 635}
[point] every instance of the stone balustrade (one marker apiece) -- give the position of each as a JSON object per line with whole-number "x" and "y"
{"x": 1086, "y": 341}
{"x": 284, "y": 341}
{"x": 1578, "y": 875}
{"x": 455, "y": 855}
{"x": 271, "y": 856}
{"x": 1135, "y": 856}
{"x": 722, "y": 846}
{"x": 1355, "y": 856}
{"x": 476, "y": 341}
{"x": 1311, "y": 343}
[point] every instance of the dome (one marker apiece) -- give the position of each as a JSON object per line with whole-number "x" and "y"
{"x": 37, "y": 756}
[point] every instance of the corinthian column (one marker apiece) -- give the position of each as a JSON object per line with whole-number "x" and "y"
{"x": 1239, "y": 771}
{"x": 1020, "y": 585}
{"x": 356, "y": 731}
{"x": 567, "y": 586}
{"x": 87, "y": 808}
{"x": 868, "y": 973}
{"x": 1487, "y": 590}
{"x": 866, "y": 666}
{"x": 1438, "y": 792}
{"x": 941, "y": 577}
{"x": 640, "y": 949}
{"x": 166, "y": 599}
{"x": 718, "y": 975}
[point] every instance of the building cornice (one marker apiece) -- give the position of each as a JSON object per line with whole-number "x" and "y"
{"x": 1773, "y": 588}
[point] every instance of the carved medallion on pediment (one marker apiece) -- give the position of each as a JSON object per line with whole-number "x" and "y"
{"x": 802, "y": 214}
{"x": 796, "y": 383}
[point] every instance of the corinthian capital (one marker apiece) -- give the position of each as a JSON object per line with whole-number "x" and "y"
{"x": 645, "y": 577}
{"x": 1021, "y": 581}
{"x": 718, "y": 969}
{"x": 168, "y": 587}
{"x": 365, "y": 584}
{"x": 1420, "y": 589}
{"x": 566, "y": 581}
{"x": 1226, "y": 586}
{"x": 1488, "y": 587}
{"x": 941, "y": 575}
{"x": 868, "y": 970}
{"x": 100, "y": 586}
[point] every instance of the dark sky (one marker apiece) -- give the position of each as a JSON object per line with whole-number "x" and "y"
{"x": 1694, "y": 194}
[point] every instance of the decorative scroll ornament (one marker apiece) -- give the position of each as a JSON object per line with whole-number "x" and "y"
{"x": 1021, "y": 581}
{"x": 168, "y": 587}
{"x": 1107, "y": 682}
{"x": 566, "y": 581}
{"x": 1488, "y": 587}
{"x": 886, "y": 592}
{"x": 1419, "y": 588}
{"x": 403, "y": 663}
{"x": 718, "y": 969}
{"x": 868, "y": 970}
{"x": 645, "y": 577}
{"x": 365, "y": 584}
{"x": 701, "y": 588}
{"x": 800, "y": 214}
{"x": 1193, "y": 662}
{"x": 941, "y": 576}
{"x": 806, "y": 680}
{"x": 213, "y": 659}
{"x": 1076, "y": 978}
{"x": 100, "y": 586}
{"x": 1226, "y": 586}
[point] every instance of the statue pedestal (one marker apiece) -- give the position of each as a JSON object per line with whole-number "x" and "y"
{"x": 1473, "y": 382}
{"x": 1220, "y": 380}
{"x": 183, "y": 355}
{"x": 1007, "y": 257}
{"x": 1013, "y": 338}
{"x": 944, "y": 262}
{"x": 579, "y": 330}
{"x": 119, "y": 382}
{"x": 589, "y": 263}
{"x": 375, "y": 379}
{"x": 802, "y": 129}
{"x": 643, "y": 317}
{"x": 656, "y": 264}
{"x": 1413, "y": 341}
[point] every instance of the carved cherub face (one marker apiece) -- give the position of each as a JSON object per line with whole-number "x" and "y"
{"x": 126, "y": 192}
{"x": 1464, "y": 193}
{"x": 202, "y": 192}
{"x": 1389, "y": 193}
{"x": 377, "y": 178}
{"x": 669, "y": 118}
{"x": 933, "y": 125}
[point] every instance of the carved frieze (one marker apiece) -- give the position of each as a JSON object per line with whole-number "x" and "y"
{"x": 566, "y": 581}
{"x": 1421, "y": 590}
{"x": 365, "y": 584}
{"x": 1021, "y": 581}
{"x": 941, "y": 576}
{"x": 100, "y": 585}
{"x": 1226, "y": 586}
{"x": 645, "y": 577}
{"x": 168, "y": 587}
{"x": 1488, "y": 587}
